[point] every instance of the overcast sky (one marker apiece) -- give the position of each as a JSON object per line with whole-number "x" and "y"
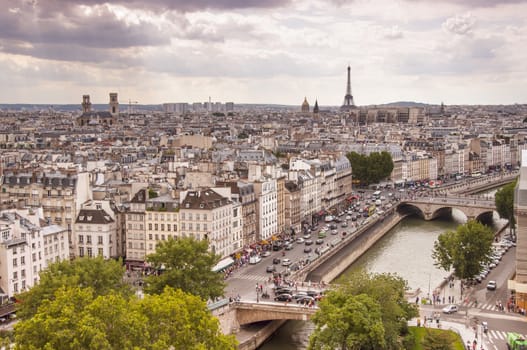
{"x": 264, "y": 51}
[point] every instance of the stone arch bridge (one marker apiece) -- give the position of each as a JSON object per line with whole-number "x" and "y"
{"x": 250, "y": 312}
{"x": 430, "y": 208}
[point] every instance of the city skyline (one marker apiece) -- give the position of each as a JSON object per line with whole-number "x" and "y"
{"x": 266, "y": 51}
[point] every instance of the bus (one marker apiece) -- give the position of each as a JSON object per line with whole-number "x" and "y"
{"x": 376, "y": 194}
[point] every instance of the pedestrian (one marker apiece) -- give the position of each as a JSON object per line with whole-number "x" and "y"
{"x": 449, "y": 299}
{"x": 443, "y": 299}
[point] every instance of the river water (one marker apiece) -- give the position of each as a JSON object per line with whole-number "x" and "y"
{"x": 405, "y": 250}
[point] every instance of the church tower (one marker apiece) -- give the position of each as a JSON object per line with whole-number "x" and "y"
{"x": 114, "y": 103}
{"x": 86, "y": 104}
{"x": 315, "y": 108}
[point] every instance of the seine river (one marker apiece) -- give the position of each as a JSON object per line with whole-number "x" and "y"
{"x": 405, "y": 250}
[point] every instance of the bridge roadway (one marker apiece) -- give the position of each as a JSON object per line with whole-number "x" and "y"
{"x": 243, "y": 282}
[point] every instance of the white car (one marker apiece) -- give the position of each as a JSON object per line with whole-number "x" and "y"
{"x": 449, "y": 309}
{"x": 491, "y": 285}
{"x": 286, "y": 262}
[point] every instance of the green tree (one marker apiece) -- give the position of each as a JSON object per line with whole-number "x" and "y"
{"x": 464, "y": 250}
{"x": 504, "y": 200}
{"x": 77, "y": 319}
{"x": 372, "y": 168}
{"x": 348, "y": 322}
{"x": 103, "y": 276}
{"x": 439, "y": 340}
{"x": 344, "y": 316}
{"x": 182, "y": 321}
{"x": 152, "y": 193}
{"x": 186, "y": 264}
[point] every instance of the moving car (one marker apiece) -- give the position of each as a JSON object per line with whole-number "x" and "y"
{"x": 286, "y": 262}
{"x": 270, "y": 268}
{"x": 491, "y": 285}
{"x": 450, "y": 309}
{"x": 307, "y": 250}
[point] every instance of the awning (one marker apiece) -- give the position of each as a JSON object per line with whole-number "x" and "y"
{"x": 223, "y": 264}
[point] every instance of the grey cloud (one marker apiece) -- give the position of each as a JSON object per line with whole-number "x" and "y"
{"x": 461, "y": 25}
{"x": 53, "y": 6}
{"x": 475, "y": 3}
{"x": 101, "y": 30}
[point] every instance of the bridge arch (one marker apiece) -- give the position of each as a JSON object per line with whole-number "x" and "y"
{"x": 432, "y": 208}
{"x": 247, "y": 313}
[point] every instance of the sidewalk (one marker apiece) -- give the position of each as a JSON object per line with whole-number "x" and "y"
{"x": 467, "y": 334}
{"x": 450, "y": 292}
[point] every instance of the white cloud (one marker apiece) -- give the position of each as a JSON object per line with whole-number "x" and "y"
{"x": 460, "y": 24}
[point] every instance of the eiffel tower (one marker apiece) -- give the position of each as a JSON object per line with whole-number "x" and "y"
{"x": 348, "y": 98}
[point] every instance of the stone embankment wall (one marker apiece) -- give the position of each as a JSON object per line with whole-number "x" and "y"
{"x": 333, "y": 267}
{"x": 261, "y": 336}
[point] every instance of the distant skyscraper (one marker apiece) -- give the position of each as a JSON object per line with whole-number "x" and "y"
{"x": 348, "y": 98}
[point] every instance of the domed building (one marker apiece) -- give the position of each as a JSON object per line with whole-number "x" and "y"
{"x": 305, "y": 106}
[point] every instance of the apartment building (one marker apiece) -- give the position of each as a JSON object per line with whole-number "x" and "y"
{"x": 60, "y": 193}
{"x": 207, "y": 215}
{"x": 26, "y": 248}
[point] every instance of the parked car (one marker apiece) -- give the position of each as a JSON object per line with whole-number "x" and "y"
{"x": 283, "y": 297}
{"x": 307, "y": 250}
{"x": 450, "y": 309}
{"x": 319, "y": 241}
{"x": 276, "y": 260}
{"x": 286, "y": 262}
{"x": 270, "y": 268}
{"x": 288, "y": 246}
{"x": 300, "y": 240}
{"x": 491, "y": 285}
{"x": 308, "y": 242}
{"x": 265, "y": 254}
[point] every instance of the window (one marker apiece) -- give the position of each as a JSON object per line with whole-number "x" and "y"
{"x": 81, "y": 251}
{"x": 81, "y": 239}
{"x": 150, "y": 227}
{"x": 168, "y": 227}
{"x": 162, "y": 237}
{"x": 34, "y": 257}
{"x": 90, "y": 253}
{"x": 99, "y": 252}
{"x": 23, "y": 273}
{"x": 162, "y": 227}
{"x": 15, "y": 262}
{"x": 88, "y": 239}
{"x": 22, "y": 260}
{"x": 204, "y": 216}
{"x": 150, "y": 236}
{"x": 156, "y": 227}
{"x": 99, "y": 239}
{"x": 15, "y": 287}
{"x": 15, "y": 275}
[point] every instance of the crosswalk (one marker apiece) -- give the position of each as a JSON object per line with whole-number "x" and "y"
{"x": 250, "y": 277}
{"x": 483, "y": 306}
{"x": 493, "y": 335}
